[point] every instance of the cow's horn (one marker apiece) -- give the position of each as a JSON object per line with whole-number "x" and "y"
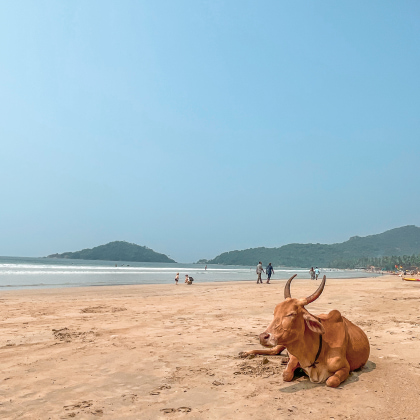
{"x": 317, "y": 294}
{"x": 287, "y": 287}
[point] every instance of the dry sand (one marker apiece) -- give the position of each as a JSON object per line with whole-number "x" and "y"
{"x": 171, "y": 352}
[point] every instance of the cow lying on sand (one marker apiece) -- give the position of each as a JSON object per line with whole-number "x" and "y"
{"x": 327, "y": 347}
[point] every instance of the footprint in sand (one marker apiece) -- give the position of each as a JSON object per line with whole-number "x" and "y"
{"x": 101, "y": 309}
{"x": 66, "y": 335}
{"x": 157, "y": 390}
{"x": 168, "y": 410}
{"x": 173, "y": 410}
{"x": 83, "y": 404}
{"x": 72, "y": 414}
{"x": 132, "y": 397}
{"x": 85, "y": 407}
{"x": 97, "y": 412}
{"x": 218, "y": 383}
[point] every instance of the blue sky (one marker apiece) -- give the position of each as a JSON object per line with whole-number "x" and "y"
{"x": 197, "y": 127}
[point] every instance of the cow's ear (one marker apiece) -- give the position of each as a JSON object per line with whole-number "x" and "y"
{"x": 313, "y": 323}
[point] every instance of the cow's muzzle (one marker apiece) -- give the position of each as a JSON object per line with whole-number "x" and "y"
{"x": 265, "y": 339}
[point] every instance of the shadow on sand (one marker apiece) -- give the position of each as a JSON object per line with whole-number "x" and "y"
{"x": 307, "y": 384}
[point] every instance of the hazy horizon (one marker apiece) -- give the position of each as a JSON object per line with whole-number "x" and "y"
{"x": 196, "y": 128}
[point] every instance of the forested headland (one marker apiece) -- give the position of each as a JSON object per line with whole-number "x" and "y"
{"x": 117, "y": 251}
{"x": 400, "y": 246}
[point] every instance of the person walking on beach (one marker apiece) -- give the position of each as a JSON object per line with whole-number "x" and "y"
{"x": 316, "y": 273}
{"x": 269, "y": 270}
{"x": 259, "y": 271}
{"x": 186, "y": 278}
{"x": 312, "y": 273}
{"x": 176, "y": 279}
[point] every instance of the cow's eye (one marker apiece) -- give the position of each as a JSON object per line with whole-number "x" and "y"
{"x": 291, "y": 314}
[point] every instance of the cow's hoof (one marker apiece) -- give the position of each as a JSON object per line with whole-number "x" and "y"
{"x": 243, "y": 354}
{"x": 333, "y": 381}
{"x": 288, "y": 376}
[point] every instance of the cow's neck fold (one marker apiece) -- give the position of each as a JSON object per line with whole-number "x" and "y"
{"x": 317, "y": 354}
{"x": 307, "y": 349}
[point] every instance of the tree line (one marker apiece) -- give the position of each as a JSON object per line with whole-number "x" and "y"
{"x": 381, "y": 263}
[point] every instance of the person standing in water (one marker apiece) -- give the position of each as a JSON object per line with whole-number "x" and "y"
{"x": 269, "y": 270}
{"x": 176, "y": 279}
{"x": 316, "y": 273}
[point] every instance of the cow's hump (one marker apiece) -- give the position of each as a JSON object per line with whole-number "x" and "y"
{"x": 335, "y": 331}
{"x": 333, "y": 316}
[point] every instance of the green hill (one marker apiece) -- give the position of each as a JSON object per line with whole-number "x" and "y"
{"x": 117, "y": 251}
{"x": 356, "y": 251}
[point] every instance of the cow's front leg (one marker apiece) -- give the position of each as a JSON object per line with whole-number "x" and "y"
{"x": 269, "y": 352}
{"x": 289, "y": 372}
{"x": 340, "y": 376}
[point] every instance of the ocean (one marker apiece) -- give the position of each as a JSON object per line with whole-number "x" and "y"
{"x": 35, "y": 273}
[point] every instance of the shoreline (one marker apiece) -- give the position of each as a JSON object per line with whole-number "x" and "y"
{"x": 180, "y": 284}
{"x": 6, "y": 288}
{"x": 102, "y": 280}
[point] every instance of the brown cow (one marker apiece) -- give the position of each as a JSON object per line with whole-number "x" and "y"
{"x": 326, "y": 347}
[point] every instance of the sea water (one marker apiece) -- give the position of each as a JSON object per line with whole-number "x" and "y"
{"x": 22, "y": 273}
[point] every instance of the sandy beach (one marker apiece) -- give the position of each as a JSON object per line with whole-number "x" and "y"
{"x": 170, "y": 352}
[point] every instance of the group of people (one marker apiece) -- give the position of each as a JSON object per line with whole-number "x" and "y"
{"x": 314, "y": 273}
{"x": 269, "y": 270}
{"x": 188, "y": 279}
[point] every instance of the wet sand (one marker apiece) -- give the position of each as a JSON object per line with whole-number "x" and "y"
{"x": 171, "y": 352}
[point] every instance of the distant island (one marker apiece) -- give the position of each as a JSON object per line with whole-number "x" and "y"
{"x": 396, "y": 246}
{"x": 117, "y": 251}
